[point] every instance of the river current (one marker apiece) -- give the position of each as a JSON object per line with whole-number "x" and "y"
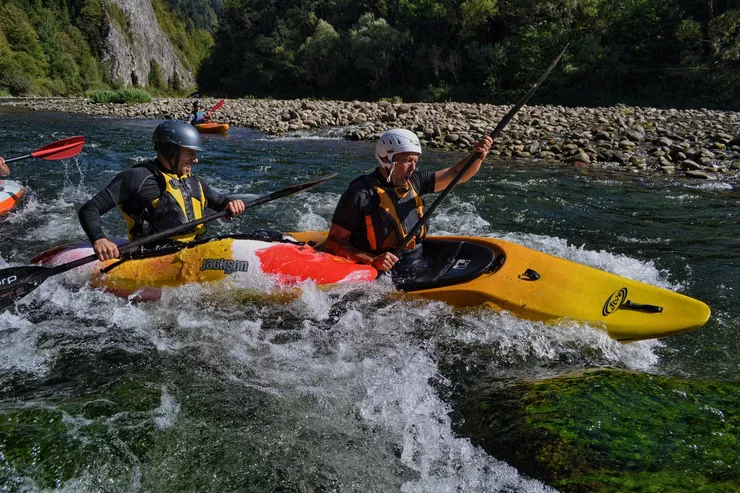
{"x": 335, "y": 390}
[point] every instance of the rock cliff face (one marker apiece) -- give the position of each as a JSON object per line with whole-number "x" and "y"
{"x": 131, "y": 48}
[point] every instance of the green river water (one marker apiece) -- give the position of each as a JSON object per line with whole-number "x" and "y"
{"x": 348, "y": 389}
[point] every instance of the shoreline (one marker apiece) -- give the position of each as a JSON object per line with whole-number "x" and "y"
{"x": 701, "y": 144}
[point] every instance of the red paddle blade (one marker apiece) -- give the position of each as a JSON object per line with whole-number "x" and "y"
{"x": 60, "y": 149}
{"x": 217, "y": 106}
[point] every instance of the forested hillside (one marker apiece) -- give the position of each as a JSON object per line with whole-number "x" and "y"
{"x": 679, "y": 53}
{"x": 56, "y": 47}
{"x": 657, "y": 52}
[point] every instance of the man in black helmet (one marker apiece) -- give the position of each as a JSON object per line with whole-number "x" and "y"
{"x": 158, "y": 194}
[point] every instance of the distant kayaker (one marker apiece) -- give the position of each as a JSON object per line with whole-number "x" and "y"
{"x": 197, "y": 116}
{"x": 158, "y": 194}
{"x": 377, "y": 210}
{"x": 4, "y": 169}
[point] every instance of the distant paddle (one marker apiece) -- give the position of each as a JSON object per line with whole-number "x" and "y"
{"x": 216, "y": 107}
{"x": 60, "y": 149}
{"x": 496, "y": 132}
{"x": 17, "y": 282}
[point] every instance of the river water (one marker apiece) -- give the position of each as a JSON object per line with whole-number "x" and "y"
{"x": 338, "y": 390}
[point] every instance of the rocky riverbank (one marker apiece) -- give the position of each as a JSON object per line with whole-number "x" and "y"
{"x": 693, "y": 143}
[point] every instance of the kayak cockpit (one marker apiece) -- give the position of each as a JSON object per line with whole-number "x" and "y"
{"x": 448, "y": 262}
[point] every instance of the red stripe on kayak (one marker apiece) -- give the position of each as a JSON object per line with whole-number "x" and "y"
{"x": 293, "y": 263}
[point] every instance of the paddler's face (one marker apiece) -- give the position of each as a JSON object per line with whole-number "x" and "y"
{"x": 404, "y": 168}
{"x": 188, "y": 158}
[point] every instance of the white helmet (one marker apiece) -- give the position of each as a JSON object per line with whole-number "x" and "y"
{"x": 394, "y": 141}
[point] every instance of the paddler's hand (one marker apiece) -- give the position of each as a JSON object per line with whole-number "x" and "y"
{"x": 105, "y": 249}
{"x": 384, "y": 261}
{"x": 236, "y": 207}
{"x": 483, "y": 145}
{"x": 4, "y": 169}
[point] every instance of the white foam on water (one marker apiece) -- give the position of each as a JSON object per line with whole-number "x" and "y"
{"x": 310, "y": 221}
{"x": 458, "y": 217}
{"x": 19, "y": 349}
{"x": 521, "y": 342}
{"x": 356, "y": 359}
{"x": 710, "y": 185}
{"x": 166, "y": 414}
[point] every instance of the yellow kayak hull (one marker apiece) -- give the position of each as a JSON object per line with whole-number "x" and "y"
{"x": 540, "y": 287}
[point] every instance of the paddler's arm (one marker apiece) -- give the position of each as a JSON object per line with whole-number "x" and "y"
{"x": 337, "y": 243}
{"x": 89, "y": 216}
{"x": 220, "y": 202}
{"x": 4, "y": 169}
{"x": 444, "y": 177}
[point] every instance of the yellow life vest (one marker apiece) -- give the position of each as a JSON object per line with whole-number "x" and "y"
{"x": 399, "y": 210}
{"x": 183, "y": 200}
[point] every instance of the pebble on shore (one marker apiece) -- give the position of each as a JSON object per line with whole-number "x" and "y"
{"x": 699, "y": 143}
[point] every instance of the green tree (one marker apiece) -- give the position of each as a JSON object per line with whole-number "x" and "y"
{"x": 374, "y": 48}
{"x": 155, "y": 79}
{"x": 323, "y": 45}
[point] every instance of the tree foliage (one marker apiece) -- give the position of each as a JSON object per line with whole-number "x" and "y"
{"x": 55, "y": 47}
{"x": 658, "y": 52}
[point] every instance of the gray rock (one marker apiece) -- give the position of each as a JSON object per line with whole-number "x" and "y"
{"x": 700, "y": 174}
{"x": 690, "y": 165}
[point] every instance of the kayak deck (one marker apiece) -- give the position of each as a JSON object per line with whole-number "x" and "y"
{"x": 540, "y": 287}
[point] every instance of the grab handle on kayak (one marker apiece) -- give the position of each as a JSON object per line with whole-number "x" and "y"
{"x": 639, "y": 307}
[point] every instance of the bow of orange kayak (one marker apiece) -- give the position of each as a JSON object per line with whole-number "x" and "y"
{"x": 212, "y": 128}
{"x": 11, "y": 193}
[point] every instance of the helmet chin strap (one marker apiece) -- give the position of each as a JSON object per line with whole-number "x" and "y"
{"x": 390, "y": 171}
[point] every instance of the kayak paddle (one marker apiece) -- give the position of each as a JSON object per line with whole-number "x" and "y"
{"x": 60, "y": 149}
{"x": 17, "y": 282}
{"x": 216, "y": 107}
{"x": 496, "y": 132}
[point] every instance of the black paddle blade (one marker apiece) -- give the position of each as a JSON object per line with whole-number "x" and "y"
{"x": 17, "y": 282}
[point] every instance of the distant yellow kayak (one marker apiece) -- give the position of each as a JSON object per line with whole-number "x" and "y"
{"x": 212, "y": 128}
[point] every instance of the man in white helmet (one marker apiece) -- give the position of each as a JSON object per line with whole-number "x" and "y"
{"x": 377, "y": 210}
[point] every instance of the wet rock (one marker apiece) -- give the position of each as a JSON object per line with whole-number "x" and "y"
{"x": 663, "y": 435}
{"x": 581, "y": 157}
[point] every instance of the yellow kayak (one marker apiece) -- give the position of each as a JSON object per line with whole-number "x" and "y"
{"x": 536, "y": 286}
{"x": 461, "y": 271}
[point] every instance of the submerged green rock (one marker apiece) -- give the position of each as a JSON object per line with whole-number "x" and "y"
{"x": 610, "y": 430}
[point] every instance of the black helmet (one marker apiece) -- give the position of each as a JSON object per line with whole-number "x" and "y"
{"x": 196, "y": 104}
{"x": 177, "y": 133}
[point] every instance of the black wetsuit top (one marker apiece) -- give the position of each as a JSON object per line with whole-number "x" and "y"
{"x": 133, "y": 190}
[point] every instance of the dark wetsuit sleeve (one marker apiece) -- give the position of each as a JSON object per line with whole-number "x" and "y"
{"x": 135, "y": 187}
{"x": 423, "y": 182}
{"x": 215, "y": 200}
{"x": 105, "y": 200}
